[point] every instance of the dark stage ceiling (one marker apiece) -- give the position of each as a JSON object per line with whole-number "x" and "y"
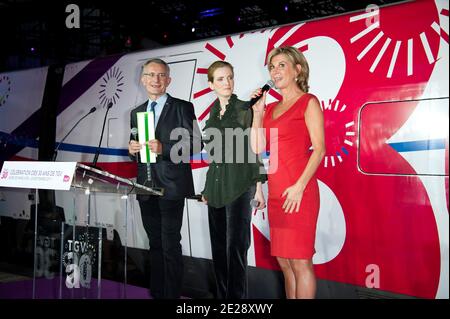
{"x": 34, "y": 33}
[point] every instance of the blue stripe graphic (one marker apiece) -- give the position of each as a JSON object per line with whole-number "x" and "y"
{"x": 29, "y": 142}
{"x": 93, "y": 149}
{"x": 11, "y": 139}
{"x": 415, "y": 146}
{"x": 204, "y": 156}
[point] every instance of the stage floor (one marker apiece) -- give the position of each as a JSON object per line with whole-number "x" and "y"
{"x": 19, "y": 287}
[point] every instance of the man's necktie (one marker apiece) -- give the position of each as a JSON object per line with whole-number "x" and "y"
{"x": 152, "y": 110}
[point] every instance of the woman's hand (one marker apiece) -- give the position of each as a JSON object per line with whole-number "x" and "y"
{"x": 259, "y": 196}
{"x": 293, "y": 196}
{"x": 259, "y": 106}
{"x": 204, "y": 201}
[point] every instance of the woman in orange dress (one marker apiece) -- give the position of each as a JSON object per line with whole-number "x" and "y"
{"x": 291, "y": 127}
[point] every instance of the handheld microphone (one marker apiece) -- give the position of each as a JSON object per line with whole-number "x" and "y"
{"x": 55, "y": 154}
{"x": 269, "y": 84}
{"x": 198, "y": 197}
{"x": 97, "y": 153}
{"x": 254, "y": 203}
{"x": 134, "y": 132}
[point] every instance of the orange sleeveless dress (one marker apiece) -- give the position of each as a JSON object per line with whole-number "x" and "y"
{"x": 291, "y": 235}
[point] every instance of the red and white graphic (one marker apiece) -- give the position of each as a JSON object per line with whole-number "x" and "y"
{"x": 368, "y": 60}
{"x": 374, "y": 69}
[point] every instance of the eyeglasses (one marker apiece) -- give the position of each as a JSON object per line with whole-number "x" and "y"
{"x": 154, "y": 75}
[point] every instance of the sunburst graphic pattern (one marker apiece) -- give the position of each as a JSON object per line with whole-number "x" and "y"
{"x": 436, "y": 27}
{"x": 223, "y": 51}
{"x": 343, "y": 138}
{"x": 287, "y": 35}
{"x": 111, "y": 85}
{"x": 393, "y": 49}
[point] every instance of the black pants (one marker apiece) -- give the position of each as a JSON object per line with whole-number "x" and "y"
{"x": 162, "y": 221}
{"x": 229, "y": 229}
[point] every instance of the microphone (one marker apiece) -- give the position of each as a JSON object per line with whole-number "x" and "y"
{"x": 97, "y": 153}
{"x": 269, "y": 84}
{"x": 55, "y": 154}
{"x": 198, "y": 197}
{"x": 134, "y": 132}
{"x": 254, "y": 203}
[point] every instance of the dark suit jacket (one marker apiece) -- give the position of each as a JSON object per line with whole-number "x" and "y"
{"x": 175, "y": 178}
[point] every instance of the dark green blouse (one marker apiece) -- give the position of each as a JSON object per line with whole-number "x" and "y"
{"x": 238, "y": 168}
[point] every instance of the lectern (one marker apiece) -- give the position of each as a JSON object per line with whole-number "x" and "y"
{"x": 67, "y": 248}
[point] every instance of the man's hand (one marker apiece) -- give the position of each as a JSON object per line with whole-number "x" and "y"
{"x": 155, "y": 146}
{"x": 134, "y": 147}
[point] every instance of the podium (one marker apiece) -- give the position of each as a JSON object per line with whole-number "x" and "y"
{"x": 67, "y": 245}
{"x": 94, "y": 180}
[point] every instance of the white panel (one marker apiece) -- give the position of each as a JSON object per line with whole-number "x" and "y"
{"x": 21, "y": 94}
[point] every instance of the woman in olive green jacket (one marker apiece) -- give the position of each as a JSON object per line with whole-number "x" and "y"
{"x": 233, "y": 179}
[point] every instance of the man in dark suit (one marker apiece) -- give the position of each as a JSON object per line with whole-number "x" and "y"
{"x": 162, "y": 216}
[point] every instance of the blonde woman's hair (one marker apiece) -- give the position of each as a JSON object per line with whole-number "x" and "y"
{"x": 296, "y": 57}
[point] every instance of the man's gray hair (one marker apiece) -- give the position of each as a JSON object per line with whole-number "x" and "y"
{"x": 157, "y": 61}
